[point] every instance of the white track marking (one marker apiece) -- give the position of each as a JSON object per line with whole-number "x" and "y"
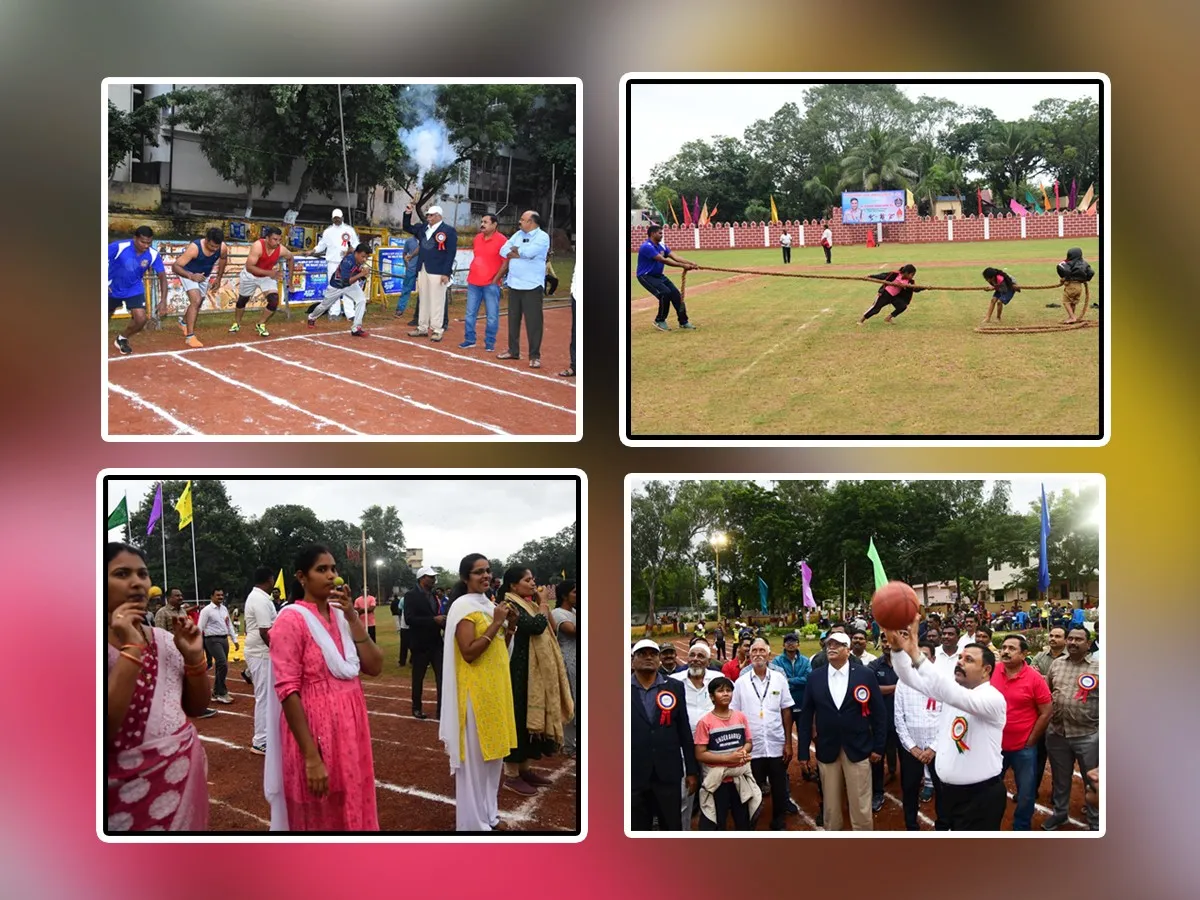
{"x": 478, "y": 362}
{"x": 774, "y": 347}
{"x": 920, "y": 815}
{"x": 377, "y": 390}
{"x": 248, "y": 815}
{"x": 138, "y": 400}
{"x": 524, "y": 812}
{"x": 216, "y": 740}
{"x": 436, "y": 374}
{"x": 278, "y": 401}
{"x": 1047, "y": 811}
{"x": 191, "y": 350}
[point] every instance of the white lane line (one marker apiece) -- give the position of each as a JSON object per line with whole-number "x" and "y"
{"x": 478, "y": 362}
{"x": 774, "y": 347}
{"x": 248, "y": 815}
{"x": 920, "y": 815}
{"x": 437, "y": 374}
{"x": 524, "y": 812}
{"x": 138, "y": 400}
{"x": 191, "y": 350}
{"x": 278, "y": 401}
{"x": 1047, "y": 811}
{"x": 439, "y": 751}
{"x": 216, "y": 740}
{"x": 370, "y": 387}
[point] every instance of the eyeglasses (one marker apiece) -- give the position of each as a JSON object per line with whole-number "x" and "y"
{"x": 481, "y": 572}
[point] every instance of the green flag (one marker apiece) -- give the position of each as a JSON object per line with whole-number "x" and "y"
{"x": 119, "y": 516}
{"x": 1029, "y": 199}
{"x": 873, "y": 556}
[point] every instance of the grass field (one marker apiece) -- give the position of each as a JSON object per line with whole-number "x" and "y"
{"x": 783, "y": 356}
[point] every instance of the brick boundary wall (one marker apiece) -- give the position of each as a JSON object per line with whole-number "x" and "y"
{"x": 917, "y": 230}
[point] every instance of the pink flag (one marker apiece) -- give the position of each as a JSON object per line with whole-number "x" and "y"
{"x": 696, "y": 210}
{"x": 155, "y": 511}
{"x": 1017, "y": 208}
{"x": 806, "y": 577}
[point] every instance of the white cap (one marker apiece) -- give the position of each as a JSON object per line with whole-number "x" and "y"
{"x": 337, "y": 214}
{"x": 434, "y": 211}
{"x": 839, "y": 637}
{"x": 700, "y": 645}
{"x": 644, "y": 644}
{"x": 425, "y": 570}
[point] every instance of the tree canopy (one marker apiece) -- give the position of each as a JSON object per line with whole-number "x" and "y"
{"x": 873, "y": 137}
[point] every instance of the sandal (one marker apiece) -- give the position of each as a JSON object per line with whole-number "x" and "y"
{"x": 567, "y": 373}
{"x": 507, "y": 355}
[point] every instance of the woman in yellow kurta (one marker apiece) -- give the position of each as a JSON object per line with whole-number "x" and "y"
{"x": 477, "y": 727}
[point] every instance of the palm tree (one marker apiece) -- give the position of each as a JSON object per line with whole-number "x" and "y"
{"x": 822, "y": 188}
{"x": 878, "y": 161}
{"x": 1013, "y": 151}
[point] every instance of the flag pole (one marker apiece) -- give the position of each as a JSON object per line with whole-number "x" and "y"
{"x": 195, "y": 570}
{"x": 162, "y": 527}
{"x": 127, "y": 516}
{"x": 363, "y": 558}
{"x": 843, "y": 590}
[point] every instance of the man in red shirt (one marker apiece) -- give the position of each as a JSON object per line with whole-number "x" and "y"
{"x": 485, "y": 264}
{"x": 1028, "y": 700}
{"x": 741, "y": 659}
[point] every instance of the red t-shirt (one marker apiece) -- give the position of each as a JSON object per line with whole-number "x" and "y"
{"x": 1022, "y": 695}
{"x": 732, "y": 669}
{"x": 487, "y": 260}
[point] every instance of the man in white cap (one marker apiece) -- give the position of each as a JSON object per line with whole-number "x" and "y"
{"x": 439, "y": 246}
{"x": 336, "y": 241}
{"x": 425, "y": 627}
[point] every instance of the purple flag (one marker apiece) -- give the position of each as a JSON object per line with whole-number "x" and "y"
{"x": 806, "y": 576}
{"x": 155, "y": 511}
{"x": 1074, "y": 190}
{"x": 696, "y": 210}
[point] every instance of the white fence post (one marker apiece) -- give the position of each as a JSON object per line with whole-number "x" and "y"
{"x": 767, "y": 236}
{"x": 696, "y": 234}
{"x": 1060, "y": 227}
{"x": 732, "y": 242}
{"x": 987, "y": 229}
{"x": 949, "y": 228}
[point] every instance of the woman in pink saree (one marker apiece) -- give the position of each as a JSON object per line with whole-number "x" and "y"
{"x": 320, "y": 773}
{"x": 156, "y": 771}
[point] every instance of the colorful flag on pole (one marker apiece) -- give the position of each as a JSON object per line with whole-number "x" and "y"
{"x": 762, "y": 594}
{"x": 687, "y": 213}
{"x": 155, "y": 511}
{"x": 1071, "y": 202}
{"x": 183, "y": 506}
{"x": 1044, "y": 562}
{"x": 873, "y": 556}
{"x": 712, "y": 216}
{"x": 979, "y": 201}
{"x": 704, "y": 214}
{"x": 908, "y": 199}
{"x": 806, "y": 581}
{"x": 1056, "y": 196}
{"x": 1091, "y": 210}
{"x": 696, "y": 209}
{"x": 353, "y": 554}
{"x": 774, "y": 211}
{"x": 1017, "y": 208}
{"x": 279, "y": 585}
{"x": 1045, "y": 199}
{"x": 1087, "y": 198}
{"x": 1037, "y": 207}
{"x": 119, "y": 516}
{"x": 674, "y": 218}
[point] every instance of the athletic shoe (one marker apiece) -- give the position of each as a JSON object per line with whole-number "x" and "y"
{"x": 519, "y": 786}
{"x": 122, "y": 344}
{"x": 246, "y": 678}
{"x": 535, "y": 779}
{"x": 262, "y": 330}
{"x": 192, "y": 341}
{"x": 926, "y": 793}
{"x": 688, "y": 326}
{"x": 312, "y": 323}
{"x": 662, "y": 326}
{"x": 261, "y": 751}
{"x": 413, "y": 323}
{"x": 1052, "y": 823}
{"x": 207, "y": 714}
{"x": 489, "y": 348}
{"x": 225, "y": 699}
{"x": 235, "y": 328}
{"x": 877, "y": 803}
{"x": 418, "y": 333}
{"x": 467, "y": 345}
{"x": 358, "y": 332}
{"x": 437, "y": 336}
{"x": 792, "y": 807}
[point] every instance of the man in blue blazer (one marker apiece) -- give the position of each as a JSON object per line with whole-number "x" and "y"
{"x": 662, "y": 752}
{"x": 844, "y": 703}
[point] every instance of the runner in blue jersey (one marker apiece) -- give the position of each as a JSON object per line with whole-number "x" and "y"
{"x": 128, "y": 263}
{"x": 194, "y": 267}
{"x": 347, "y": 285}
{"x": 653, "y": 255}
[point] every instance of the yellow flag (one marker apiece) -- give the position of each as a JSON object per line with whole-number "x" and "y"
{"x": 280, "y": 587}
{"x": 774, "y": 211}
{"x": 704, "y": 214}
{"x": 908, "y": 198}
{"x": 1087, "y": 199}
{"x": 183, "y": 506}
{"x": 1045, "y": 199}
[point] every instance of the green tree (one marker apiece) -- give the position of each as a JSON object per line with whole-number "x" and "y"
{"x": 822, "y": 190}
{"x": 717, "y": 172}
{"x": 846, "y": 113}
{"x": 280, "y": 532}
{"x": 1010, "y": 154}
{"x": 1073, "y": 547}
{"x": 877, "y": 162}
{"x": 666, "y": 518}
{"x": 549, "y": 557}
{"x": 385, "y": 543}
{"x": 129, "y": 132}
{"x": 1069, "y": 135}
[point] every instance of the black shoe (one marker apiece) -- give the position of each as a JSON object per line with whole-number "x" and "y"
{"x": 820, "y": 820}
{"x": 1052, "y": 823}
{"x": 122, "y": 344}
{"x": 792, "y": 807}
{"x": 778, "y": 826}
{"x": 877, "y": 803}
{"x": 246, "y": 677}
{"x": 417, "y": 714}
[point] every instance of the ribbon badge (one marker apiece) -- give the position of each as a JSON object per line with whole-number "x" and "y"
{"x": 958, "y": 731}
{"x": 862, "y": 694}
{"x": 666, "y": 702}
{"x": 440, "y": 237}
{"x": 1087, "y": 683}
{"x": 930, "y": 703}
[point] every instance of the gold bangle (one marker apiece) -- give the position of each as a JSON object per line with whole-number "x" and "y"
{"x": 487, "y": 637}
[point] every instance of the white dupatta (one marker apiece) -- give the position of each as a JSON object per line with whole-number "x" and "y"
{"x": 448, "y": 726}
{"x": 339, "y": 667}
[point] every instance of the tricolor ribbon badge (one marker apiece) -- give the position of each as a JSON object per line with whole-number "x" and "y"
{"x": 440, "y": 237}
{"x": 666, "y": 702}
{"x": 862, "y": 694}
{"x": 958, "y": 731}
{"x": 1087, "y": 683}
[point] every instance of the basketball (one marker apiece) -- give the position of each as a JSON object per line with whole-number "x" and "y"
{"x": 894, "y": 605}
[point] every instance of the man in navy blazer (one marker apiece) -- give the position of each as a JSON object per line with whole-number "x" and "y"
{"x": 662, "y": 753}
{"x": 845, "y": 704}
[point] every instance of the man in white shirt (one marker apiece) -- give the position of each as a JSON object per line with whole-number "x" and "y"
{"x": 785, "y": 241}
{"x": 970, "y": 625}
{"x": 762, "y": 694}
{"x": 336, "y": 241}
{"x": 967, "y": 749}
{"x": 827, "y": 244}
{"x": 260, "y": 616}
{"x": 916, "y": 729}
{"x": 858, "y": 646}
{"x": 699, "y": 704}
{"x": 946, "y": 657}
{"x": 218, "y": 631}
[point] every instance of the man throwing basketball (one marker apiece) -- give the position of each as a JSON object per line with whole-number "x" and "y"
{"x": 261, "y": 273}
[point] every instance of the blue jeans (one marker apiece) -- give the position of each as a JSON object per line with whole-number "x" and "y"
{"x": 1024, "y": 765}
{"x": 490, "y": 296}
{"x": 410, "y": 284}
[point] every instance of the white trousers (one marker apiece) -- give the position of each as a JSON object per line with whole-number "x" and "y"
{"x": 432, "y": 302}
{"x": 331, "y": 266}
{"x": 476, "y": 785}
{"x": 352, "y": 296}
{"x": 260, "y": 674}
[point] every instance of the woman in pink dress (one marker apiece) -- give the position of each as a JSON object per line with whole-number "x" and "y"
{"x": 156, "y": 771}
{"x": 320, "y": 775}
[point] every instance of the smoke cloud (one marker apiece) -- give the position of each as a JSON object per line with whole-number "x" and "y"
{"x": 428, "y": 143}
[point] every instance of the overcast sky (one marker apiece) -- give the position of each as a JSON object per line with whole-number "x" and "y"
{"x": 664, "y": 117}
{"x": 446, "y": 518}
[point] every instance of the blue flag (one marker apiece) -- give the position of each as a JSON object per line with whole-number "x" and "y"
{"x": 1044, "y": 564}
{"x": 762, "y": 594}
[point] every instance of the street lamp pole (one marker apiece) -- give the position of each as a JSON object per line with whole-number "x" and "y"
{"x": 718, "y": 541}
{"x": 378, "y": 579}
